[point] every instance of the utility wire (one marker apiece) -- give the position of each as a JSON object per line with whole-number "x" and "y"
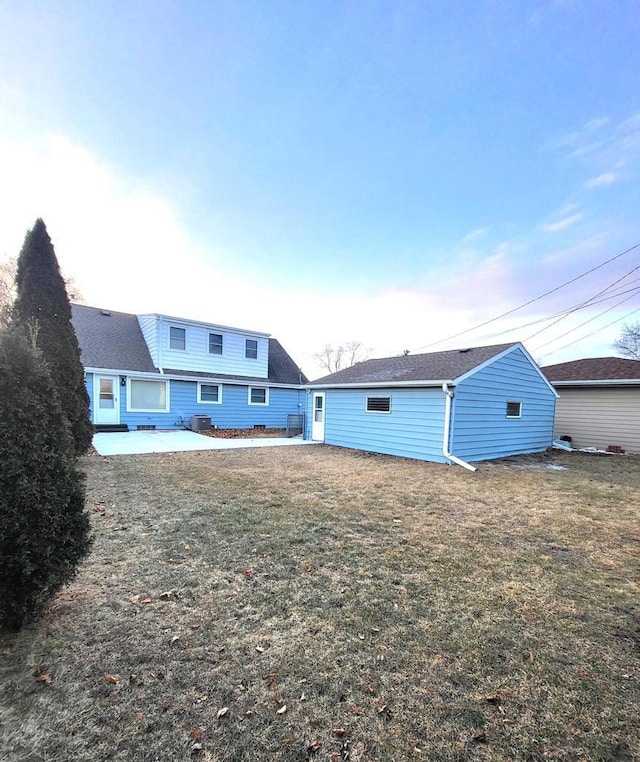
{"x": 584, "y": 304}
{"x": 589, "y": 335}
{"x": 531, "y": 301}
{"x": 590, "y": 320}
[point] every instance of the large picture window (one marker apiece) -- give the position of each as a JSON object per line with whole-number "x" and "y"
{"x": 147, "y": 396}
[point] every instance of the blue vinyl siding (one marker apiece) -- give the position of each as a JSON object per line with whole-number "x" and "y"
{"x": 413, "y": 428}
{"x": 480, "y": 428}
{"x": 234, "y": 412}
{"x": 88, "y": 382}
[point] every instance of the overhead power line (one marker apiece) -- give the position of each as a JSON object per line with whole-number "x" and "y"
{"x": 532, "y": 301}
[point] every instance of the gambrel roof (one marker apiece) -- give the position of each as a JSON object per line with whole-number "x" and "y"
{"x": 433, "y": 367}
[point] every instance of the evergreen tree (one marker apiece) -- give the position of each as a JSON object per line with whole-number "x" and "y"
{"x": 42, "y": 306}
{"x": 44, "y": 528}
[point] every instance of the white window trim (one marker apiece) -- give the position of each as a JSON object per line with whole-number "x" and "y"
{"x": 167, "y": 408}
{"x": 246, "y": 356}
{"x": 514, "y": 402}
{"x": 377, "y": 412}
{"x": 209, "y": 335}
{"x": 266, "y": 396}
{"x": 180, "y": 328}
{"x": 209, "y": 402}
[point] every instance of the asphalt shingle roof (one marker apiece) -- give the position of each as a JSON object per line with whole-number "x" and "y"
{"x": 114, "y": 340}
{"x": 594, "y": 369}
{"x": 433, "y": 366}
{"x": 110, "y": 339}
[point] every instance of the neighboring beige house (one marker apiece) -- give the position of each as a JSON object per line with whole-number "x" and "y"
{"x": 599, "y": 403}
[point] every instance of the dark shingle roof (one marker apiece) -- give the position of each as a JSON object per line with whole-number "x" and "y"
{"x": 594, "y": 369}
{"x": 114, "y": 340}
{"x": 110, "y": 339}
{"x": 434, "y": 366}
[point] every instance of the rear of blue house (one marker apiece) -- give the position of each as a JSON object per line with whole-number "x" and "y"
{"x": 157, "y": 371}
{"x": 466, "y": 405}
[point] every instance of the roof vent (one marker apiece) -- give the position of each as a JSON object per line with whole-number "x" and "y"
{"x": 105, "y": 313}
{"x": 462, "y": 351}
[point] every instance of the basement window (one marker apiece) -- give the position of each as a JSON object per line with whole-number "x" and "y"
{"x": 378, "y": 404}
{"x": 514, "y": 409}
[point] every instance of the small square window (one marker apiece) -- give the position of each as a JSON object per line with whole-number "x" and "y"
{"x": 258, "y": 395}
{"x": 177, "y": 338}
{"x": 251, "y": 349}
{"x": 514, "y": 409}
{"x": 209, "y": 393}
{"x": 378, "y": 404}
{"x": 215, "y": 343}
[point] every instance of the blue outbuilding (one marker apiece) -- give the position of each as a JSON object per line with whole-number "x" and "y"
{"x": 457, "y": 406}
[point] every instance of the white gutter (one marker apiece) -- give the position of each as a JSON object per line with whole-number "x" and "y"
{"x": 447, "y": 427}
{"x": 377, "y": 384}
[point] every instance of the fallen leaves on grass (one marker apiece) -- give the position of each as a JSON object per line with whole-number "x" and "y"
{"x": 221, "y": 712}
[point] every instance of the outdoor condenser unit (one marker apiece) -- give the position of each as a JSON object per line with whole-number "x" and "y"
{"x": 200, "y": 423}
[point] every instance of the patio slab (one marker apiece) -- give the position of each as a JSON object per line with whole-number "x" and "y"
{"x": 140, "y": 442}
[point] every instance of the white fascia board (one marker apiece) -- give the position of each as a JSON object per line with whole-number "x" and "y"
{"x": 381, "y": 384}
{"x": 600, "y": 382}
{"x": 202, "y": 324}
{"x": 504, "y": 353}
{"x": 201, "y": 379}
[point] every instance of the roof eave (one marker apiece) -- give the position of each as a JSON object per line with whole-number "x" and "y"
{"x": 382, "y": 384}
{"x": 600, "y": 382}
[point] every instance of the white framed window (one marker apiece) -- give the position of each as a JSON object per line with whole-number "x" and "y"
{"x": 258, "y": 395}
{"x": 378, "y": 404}
{"x": 251, "y": 349}
{"x": 210, "y": 394}
{"x": 215, "y": 343}
{"x": 177, "y": 338}
{"x": 147, "y": 396}
{"x": 514, "y": 409}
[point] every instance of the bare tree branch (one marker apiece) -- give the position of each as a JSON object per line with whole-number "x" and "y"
{"x": 343, "y": 356}
{"x": 628, "y": 343}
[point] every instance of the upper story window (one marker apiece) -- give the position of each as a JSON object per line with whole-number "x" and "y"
{"x": 514, "y": 409}
{"x": 378, "y": 404}
{"x": 177, "y": 338}
{"x": 215, "y": 343}
{"x": 251, "y": 349}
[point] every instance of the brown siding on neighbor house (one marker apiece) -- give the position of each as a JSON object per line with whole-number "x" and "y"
{"x": 598, "y": 417}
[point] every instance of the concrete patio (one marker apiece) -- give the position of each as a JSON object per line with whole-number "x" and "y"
{"x": 140, "y": 442}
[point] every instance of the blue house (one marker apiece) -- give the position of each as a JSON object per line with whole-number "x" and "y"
{"x": 447, "y": 407}
{"x": 157, "y": 371}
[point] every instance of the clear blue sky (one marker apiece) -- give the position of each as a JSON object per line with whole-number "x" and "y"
{"x": 393, "y": 172}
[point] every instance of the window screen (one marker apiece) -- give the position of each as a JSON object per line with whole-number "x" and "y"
{"x": 378, "y": 404}
{"x": 514, "y": 409}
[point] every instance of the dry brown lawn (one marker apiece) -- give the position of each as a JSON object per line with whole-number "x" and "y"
{"x": 315, "y": 603}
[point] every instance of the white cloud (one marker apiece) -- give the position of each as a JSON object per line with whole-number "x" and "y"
{"x": 563, "y": 224}
{"x": 606, "y": 178}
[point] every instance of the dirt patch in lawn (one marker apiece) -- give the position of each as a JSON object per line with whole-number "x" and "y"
{"x": 324, "y": 604}
{"x": 244, "y": 433}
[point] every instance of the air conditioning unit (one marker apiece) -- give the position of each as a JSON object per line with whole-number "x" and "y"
{"x": 200, "y": 423}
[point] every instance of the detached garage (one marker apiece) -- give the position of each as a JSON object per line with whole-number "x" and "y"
{"x": 599, "y": 403}
{"x": 447, "y": 407}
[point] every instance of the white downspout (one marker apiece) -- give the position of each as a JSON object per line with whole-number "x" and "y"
{"x": 448, "y": 394}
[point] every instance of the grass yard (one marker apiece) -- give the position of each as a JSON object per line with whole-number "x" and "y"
{"x": 315, "y": 603}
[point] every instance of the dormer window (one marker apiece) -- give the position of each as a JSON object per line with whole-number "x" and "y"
{"x": 215, "y": 343}
{"x": 251, "y": 349}
{"x": 177, "y": 338}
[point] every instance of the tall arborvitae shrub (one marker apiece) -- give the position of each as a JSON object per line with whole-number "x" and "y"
{"x": 44, "y": 528}
{"x": 42, "y": 300}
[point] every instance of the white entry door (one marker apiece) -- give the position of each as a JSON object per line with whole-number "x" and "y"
{"x": 317, "y": 423}
{"x": 106, "y": 399}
